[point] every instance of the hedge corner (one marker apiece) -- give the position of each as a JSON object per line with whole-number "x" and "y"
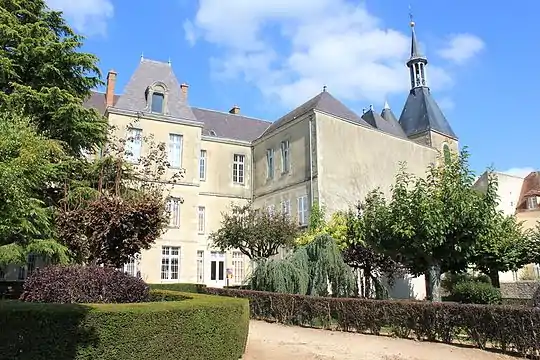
{"x": 174, "y": 326}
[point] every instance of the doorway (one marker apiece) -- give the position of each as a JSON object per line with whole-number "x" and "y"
{"x": 217, "y": 269}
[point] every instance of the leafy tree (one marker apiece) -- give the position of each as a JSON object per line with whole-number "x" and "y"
{"x": 26, "y": 163}
{"x": 433, "y": 223}
{"x": 256, "y": 233}
{"x": 118, "y": 208}
{"x": 43, "y": 75}
{"x": 336, "y": 227}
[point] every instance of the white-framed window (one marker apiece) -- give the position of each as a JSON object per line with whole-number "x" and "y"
{"x": 303, "y": 213}
{"x": 285, "y": 156}
{"x": 175, "y": 150}
{"x": 158, "y": 102}
{"x": 217, "y": 266}
{"x": 201, "y": 219}
{"x": 133, "y": 145}
{"x": 28, "y": 269}
{"x": 238, "y": 168}
{"x": 532, "y": 202}
{"x": 238, "y": 267}
{"x": 271, "y": 209}
{"x": 286, "y": 207}
{"x": 170, "y": 262}
{"x": 270, "y": 163}
{"x": 202, "y": 165}
{"x": 173, "y": 207}
{"x": 200, "y": 266}
{"x": 132, "y": 266}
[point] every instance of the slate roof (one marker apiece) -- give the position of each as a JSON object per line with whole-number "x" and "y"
{"x": 97, "y": 101}
{"x": 421, "y": 113}
{"x": 230, "y": 126}
{"x": 323, "y": 102}
{"x": 147, "y": 73}
{"x": 387, "y": 126}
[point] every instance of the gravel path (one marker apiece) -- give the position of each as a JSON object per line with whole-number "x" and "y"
{"x": 276, "y": 342}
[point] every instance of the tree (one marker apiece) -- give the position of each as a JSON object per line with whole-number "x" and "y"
{"x": 43, "y": 75}
{"x": 118, "y": 208}
{"x": 433, "y": 223}
{"x": 336, "y": 227}
{"x": 256, "y": 233}
{"x": 27, "y": 161}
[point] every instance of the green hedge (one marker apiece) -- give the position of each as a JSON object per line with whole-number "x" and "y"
{"x": 182, "y": 287}
{"x": 504, "y": 327}
{"x": 194, "y": 327}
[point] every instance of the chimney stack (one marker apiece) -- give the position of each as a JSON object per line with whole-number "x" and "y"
{"x": 235, "y": 110}
{"x": 111, "y": 83}
{"x": 184, "y": 89}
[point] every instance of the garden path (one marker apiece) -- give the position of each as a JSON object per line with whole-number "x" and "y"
{"x": 278, "y": 342}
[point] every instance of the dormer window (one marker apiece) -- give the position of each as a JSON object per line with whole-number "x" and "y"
{"x": 532, "y": 202}
{"x": 158, "y": 100}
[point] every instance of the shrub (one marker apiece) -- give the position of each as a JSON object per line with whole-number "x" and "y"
{"x": 181, "y": 287}
{"x": 505, "y": 327}
{"x": 200, "y": 327}
{"x": 450, "y": 280}
{"x": 473, "y": 292}
{"x": 11, "y": 289}
{"x": 83, "y": 284}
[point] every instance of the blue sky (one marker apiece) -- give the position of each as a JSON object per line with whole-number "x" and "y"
{"x": 270, "y": 56}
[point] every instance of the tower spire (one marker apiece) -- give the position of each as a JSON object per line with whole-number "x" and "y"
{"x": 417, "y": 62}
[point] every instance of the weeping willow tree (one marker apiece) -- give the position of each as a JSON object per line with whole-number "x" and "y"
{"x": 310, "y": 270}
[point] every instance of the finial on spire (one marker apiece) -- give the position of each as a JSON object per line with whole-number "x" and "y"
{"x": 386, "y": 106}
{"x": 371, "y": 107}
{"x": 324, "y": 88}
{"x": 411, "y": 23}
{"x": 142, "y": 56}
{"x": 169, "y": 62}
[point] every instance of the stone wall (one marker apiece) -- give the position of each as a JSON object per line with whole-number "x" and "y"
{"x": 519, "y": 289}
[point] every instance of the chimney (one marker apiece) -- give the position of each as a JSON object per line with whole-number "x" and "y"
{"x": 184, "y": 90}
{"x": 235, "y": 110}
{"x": 109, "y": 93}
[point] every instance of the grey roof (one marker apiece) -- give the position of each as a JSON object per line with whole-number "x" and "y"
{"x": 415, "y": 49}
{"x": 377, "y": 121}
{"x": 421, "y": 113}
{"x": 147, "y": 73}
{"x": 323, "y": 102}
{"x": 230, "y": 126}
{"x": 96, "y": 100}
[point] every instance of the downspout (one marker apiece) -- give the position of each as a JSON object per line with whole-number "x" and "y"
{"x": 311, "y": 159}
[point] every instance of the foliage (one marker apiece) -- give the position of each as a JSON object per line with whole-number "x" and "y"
{"x": 475, "y": 292}
{"x": 503, "y": 327}
{"x": 10, "y": 289}
{"x": 258, "y": 234}
{"x": 27, "y": 161}
{"x": 310, "y": 270}
{"x": 452, "y": 279}
{"x": 43, "y": 75}
{"x": 181, "y": 287}
{"x": 118, "y": 208}
{"x": 336, "y": 227}
{"x": 436, "y": 221}
{"x": 197, "y": 327}
{"x": 534, "y": 244}
{"x": 83, "y": 284}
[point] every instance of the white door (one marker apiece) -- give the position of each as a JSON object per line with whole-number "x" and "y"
{"x": 217, "y": 269}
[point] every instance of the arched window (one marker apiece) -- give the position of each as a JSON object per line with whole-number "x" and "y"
{"x": 156, "y": 98}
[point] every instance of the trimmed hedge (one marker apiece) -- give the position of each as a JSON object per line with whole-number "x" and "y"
{"x": 474, "y": 292}
{"x": 182, "y": 287}
{"x": 504, "y": 327}
{"x": 195, "y": 327}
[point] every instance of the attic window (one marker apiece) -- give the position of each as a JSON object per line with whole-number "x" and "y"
{"x": 212, "y": 133}
{"x": 532, "y": 202}
{"x": 157, "y": 102}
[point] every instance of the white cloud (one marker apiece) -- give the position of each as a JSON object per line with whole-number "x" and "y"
{"x": 462, "y": 47}
{"x": 87, "y": 16}
{"x": 519, "y": 171}
{"x": 311, "y": 43}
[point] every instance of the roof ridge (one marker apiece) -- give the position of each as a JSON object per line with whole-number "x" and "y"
{"x": 228, "y": 113}
{"x": 155, "y": 61}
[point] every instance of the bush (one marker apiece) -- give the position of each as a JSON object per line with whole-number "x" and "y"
{"x": 181, "y": 287}
{"x": 505, "y": 327}
{"x": 83, "y": 284}
{"x": 200, "y": 327}
{"x": 473, "y": 292}
{"x": 11, "y": 289}
{"x": 450, "y": 280}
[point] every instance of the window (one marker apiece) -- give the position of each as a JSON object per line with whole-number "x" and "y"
{"x": 133, "y": 145}
{"x": 202, "y": 166}
{"x": 200, "y": 266}
{"x": 173, "y": 207}
{"x": 270, "y": 163}
{"x": 217, "y": 266}
{"x": 28, "y": 269}
{"x": 238, "y": 267}
{"x": 238, "y": 168}
{"x": 271, "y": 209}
{"x": 303, "y": 215}
{"x": 201, "y": 219}
{"x": 285, "y": 158}
{"x": 286, "y": 207}
{"x": 158, "y": 99}
{"x": 131, "y": 267}
{"x": 175, "y": 151}
{"x": 532, "y": 202}
{"x": 170, "y": 262}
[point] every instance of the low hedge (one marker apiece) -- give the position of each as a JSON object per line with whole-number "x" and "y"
{"x": 504, "y": 327}
{"x": 182, "y": 287}
{"x": 193, "y": 327}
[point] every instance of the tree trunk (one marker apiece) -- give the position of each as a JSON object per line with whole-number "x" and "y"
{"x": 367, "y": 277}
{"x": 494, "y": 276}
{"x": 433, "y": 283}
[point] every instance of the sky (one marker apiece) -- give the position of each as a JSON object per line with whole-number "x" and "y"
{"x": 269, "y": 57}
